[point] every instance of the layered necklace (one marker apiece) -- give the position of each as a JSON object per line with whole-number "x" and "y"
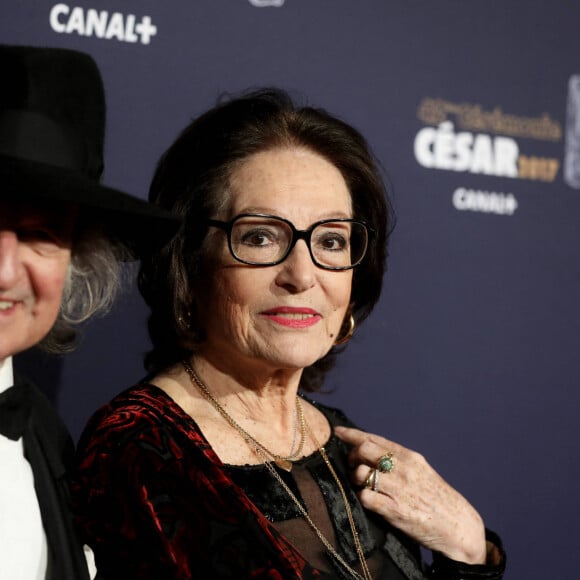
{"x": 285, "y": 462}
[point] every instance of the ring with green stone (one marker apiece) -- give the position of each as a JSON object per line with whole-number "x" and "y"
{"x": 386, "y": 463}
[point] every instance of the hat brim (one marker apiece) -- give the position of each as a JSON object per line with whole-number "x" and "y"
{"x": 140, "y": 226}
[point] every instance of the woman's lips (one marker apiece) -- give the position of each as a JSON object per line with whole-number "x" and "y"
{"x": 293, "y": 317}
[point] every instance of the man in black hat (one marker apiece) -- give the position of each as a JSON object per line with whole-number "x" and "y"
{"x": 62, "y": 235}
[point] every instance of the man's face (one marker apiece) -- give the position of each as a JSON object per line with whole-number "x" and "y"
{"x": 35, "y": 251}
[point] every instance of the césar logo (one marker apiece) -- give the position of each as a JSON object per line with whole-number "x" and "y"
{"x": 487, "y": 142}
{"x": 442, "y": 148}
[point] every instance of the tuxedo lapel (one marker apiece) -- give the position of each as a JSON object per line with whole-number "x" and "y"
{"x": 49, "y": 449}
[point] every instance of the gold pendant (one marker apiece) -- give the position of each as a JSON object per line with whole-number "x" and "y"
{"x": 284, "y": 464}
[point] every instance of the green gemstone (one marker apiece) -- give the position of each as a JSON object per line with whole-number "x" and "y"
{"x": 385, "y": 464}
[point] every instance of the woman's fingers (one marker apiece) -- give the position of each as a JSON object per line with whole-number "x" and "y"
{"x": 401, "y": 486}
{"x": 367, "y": 448}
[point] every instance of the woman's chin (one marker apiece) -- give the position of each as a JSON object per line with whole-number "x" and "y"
{"x": 297, "y": 359}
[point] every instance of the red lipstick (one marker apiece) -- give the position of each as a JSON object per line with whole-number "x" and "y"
{"x": 293, "y": 317}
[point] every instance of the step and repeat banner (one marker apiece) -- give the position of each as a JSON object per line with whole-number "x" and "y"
{"x": 473, "y": 108}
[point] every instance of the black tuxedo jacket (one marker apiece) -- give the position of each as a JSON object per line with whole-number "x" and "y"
{"x": 50, "y": 451}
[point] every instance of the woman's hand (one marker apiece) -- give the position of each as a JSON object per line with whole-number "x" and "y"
{"x": 415, "y": 499}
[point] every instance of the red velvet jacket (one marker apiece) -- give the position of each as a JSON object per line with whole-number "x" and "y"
{"x": 154, "y": 502}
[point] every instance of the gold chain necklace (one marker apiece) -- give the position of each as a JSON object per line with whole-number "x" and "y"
{"x": 283, "y": 461}
{"x": 263, "y": 453}
{"x": 294, "y": 433}
{"x": 356, "y": 538}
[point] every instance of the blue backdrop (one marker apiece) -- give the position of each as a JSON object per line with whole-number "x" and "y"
{"x": 473, "y": 108}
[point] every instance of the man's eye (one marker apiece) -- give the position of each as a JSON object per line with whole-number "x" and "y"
{"x": 37, "y": 234}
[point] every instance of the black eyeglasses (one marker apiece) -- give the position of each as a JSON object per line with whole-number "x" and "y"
{"x": 267, "y": 240}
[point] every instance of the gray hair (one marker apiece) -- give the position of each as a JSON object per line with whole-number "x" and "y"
{"x": 94, "y": 279}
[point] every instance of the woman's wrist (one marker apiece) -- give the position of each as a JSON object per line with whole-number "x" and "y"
{"x": 444, "y": 568}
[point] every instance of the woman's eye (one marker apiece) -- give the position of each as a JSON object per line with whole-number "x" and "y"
{"x": 333, "y": 242}
{"x": 258, "y": 238}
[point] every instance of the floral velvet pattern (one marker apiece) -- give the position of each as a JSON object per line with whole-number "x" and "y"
{"x": 154, "y": 501}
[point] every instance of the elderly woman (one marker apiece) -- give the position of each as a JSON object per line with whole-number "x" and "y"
{"x": 217, "y": 465}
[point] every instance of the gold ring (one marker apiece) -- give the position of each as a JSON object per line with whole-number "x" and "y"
{"x": 376, "y": 481}
{"x": 370, "y": 481}
{"x": 386, "y": 463}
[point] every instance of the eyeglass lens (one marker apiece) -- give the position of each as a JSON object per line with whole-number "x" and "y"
{"x": 260, "y": 240}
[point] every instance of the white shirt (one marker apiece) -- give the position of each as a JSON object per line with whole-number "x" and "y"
{"x": 23, "y": 546}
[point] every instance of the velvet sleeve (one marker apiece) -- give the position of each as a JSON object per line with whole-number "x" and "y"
{"x": 127, "y": 507}
{"x": 152, "y": 507}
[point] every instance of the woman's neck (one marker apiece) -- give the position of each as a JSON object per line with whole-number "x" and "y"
{"x": 258, "y": 403}
{"x": 256, "y": 392}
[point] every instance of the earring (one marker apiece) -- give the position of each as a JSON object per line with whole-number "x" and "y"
{"x": 349, "y": 332}
{"x": 192, "y": 334}
{"x": 185, "y": 320}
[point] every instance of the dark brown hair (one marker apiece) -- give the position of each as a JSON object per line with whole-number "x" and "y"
{"x": 191, "y": 179}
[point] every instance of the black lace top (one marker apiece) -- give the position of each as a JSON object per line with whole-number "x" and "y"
{"x": 314, "y": 486}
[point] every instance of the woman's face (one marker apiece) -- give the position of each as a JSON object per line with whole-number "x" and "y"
{"x": 285, "y": 316}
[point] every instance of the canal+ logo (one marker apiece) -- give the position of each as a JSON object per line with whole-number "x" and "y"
{"x": 65, "y": 19}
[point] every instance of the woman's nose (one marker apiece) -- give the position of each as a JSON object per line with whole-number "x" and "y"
{"x": 298, "y": 272}
{"x": 8, "y": 257}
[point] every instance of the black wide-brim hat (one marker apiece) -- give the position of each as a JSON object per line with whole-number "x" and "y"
{"x": 52, "y": 126}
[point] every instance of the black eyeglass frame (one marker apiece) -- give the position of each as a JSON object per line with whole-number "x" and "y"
{"x": 297, "y": 234}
